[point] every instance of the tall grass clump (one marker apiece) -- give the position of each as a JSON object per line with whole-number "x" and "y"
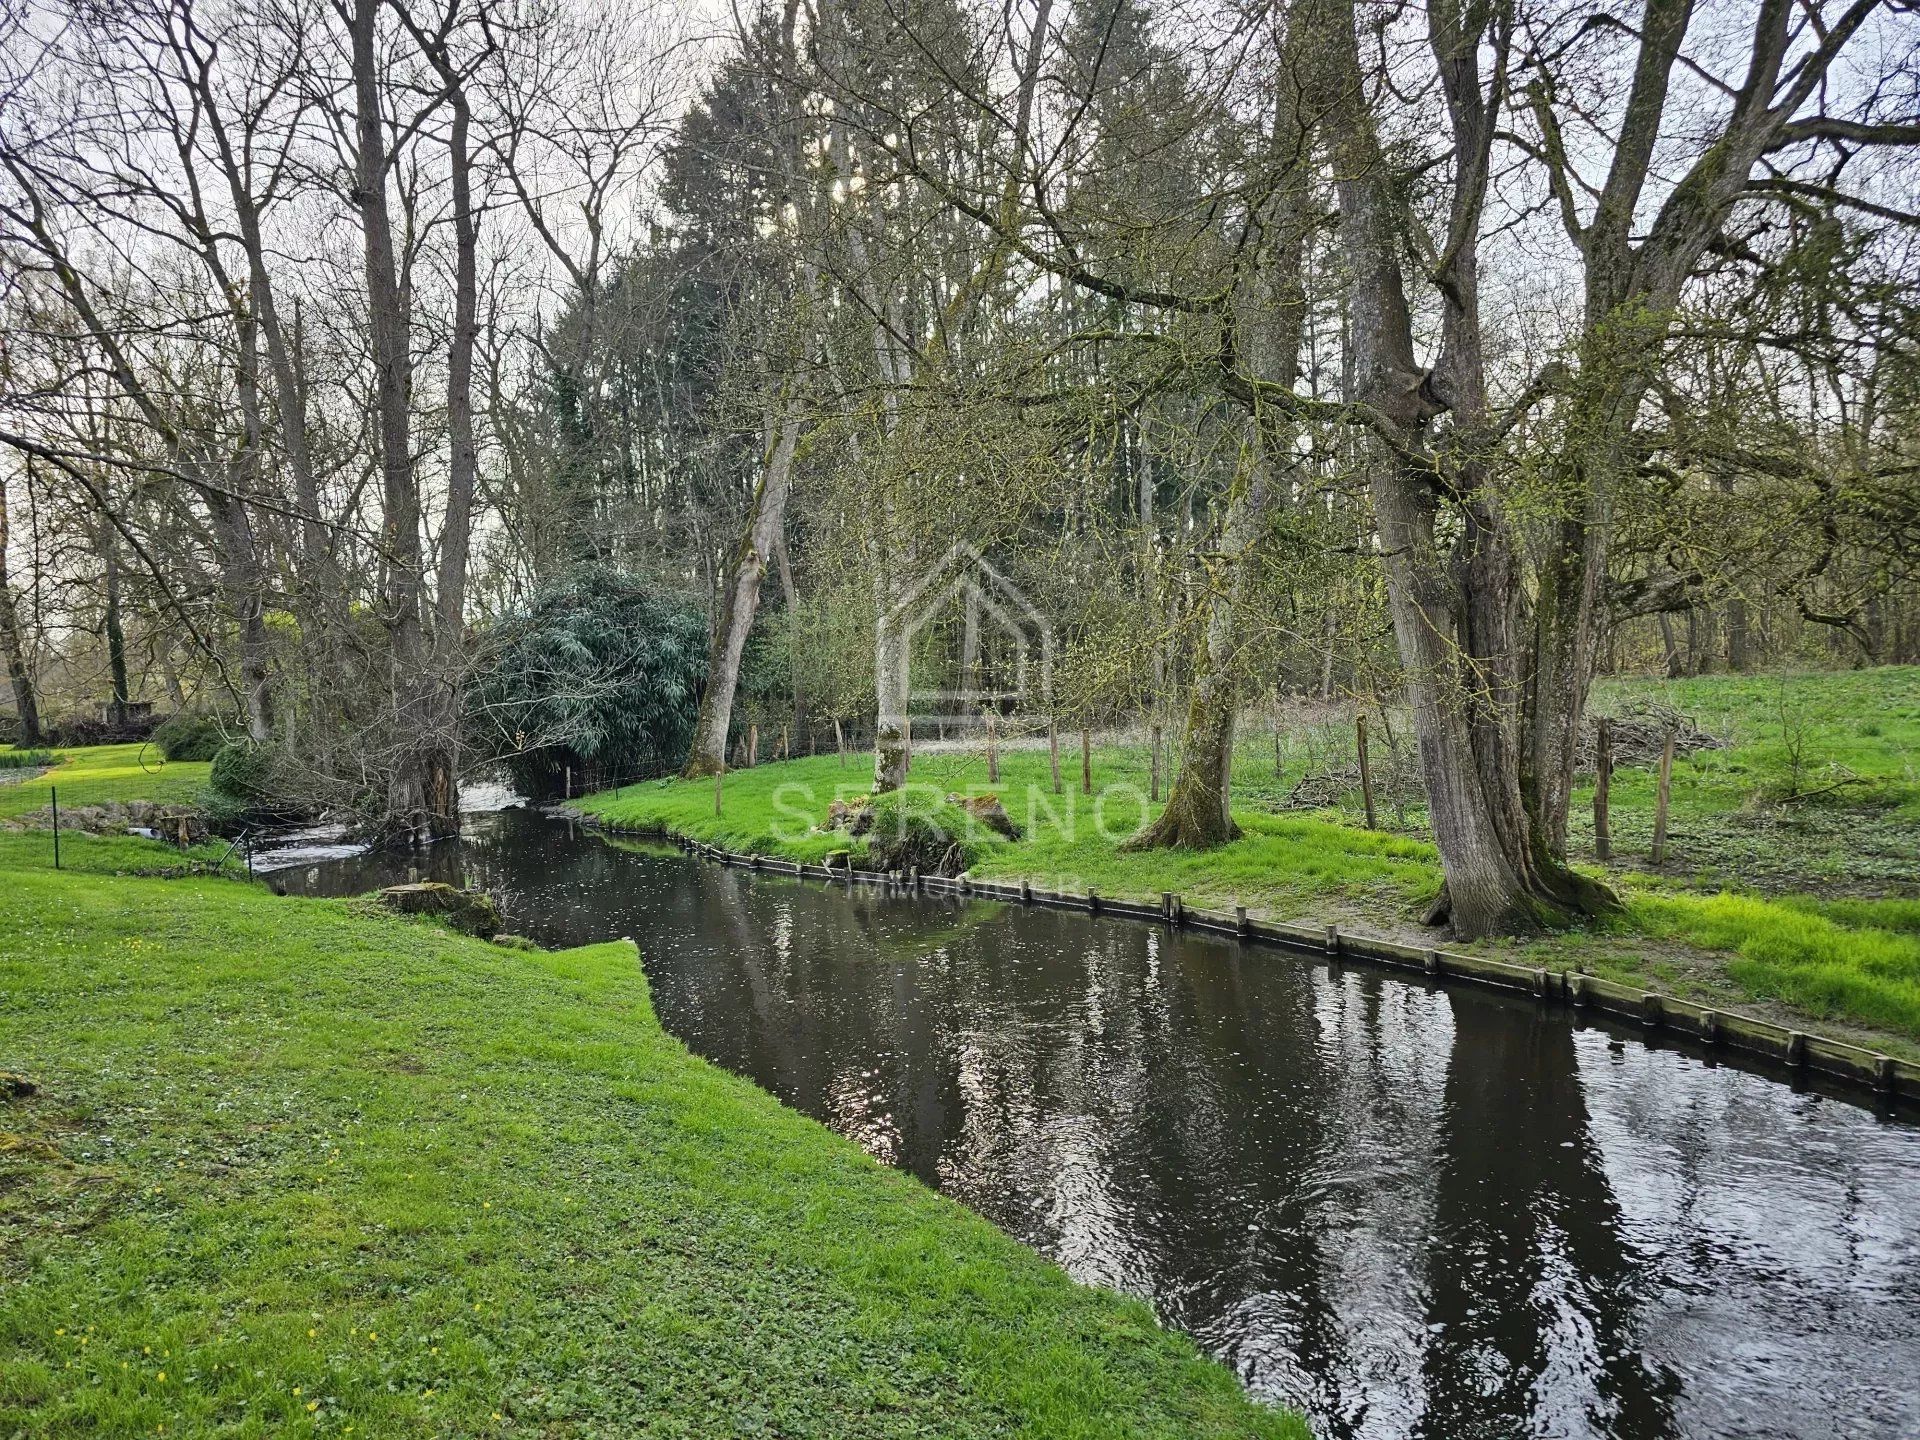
{"x": 1801, "y": 958}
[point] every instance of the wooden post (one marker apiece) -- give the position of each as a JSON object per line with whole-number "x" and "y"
{"x": 786, "y": 745}
{"x": 1086, "y": 761}
{"x": 993, "y": 751}
{"x": 567, "y": 785}
{"x": 1366, "y": 770}
{"x": 719, "y": 774}
{"x": 753, "y": 745}
{"x": 1662, "y": 798}
{"x": 1053, "y": 751}
{"x": 1156, "y": 764}
{"x": 1602, "y": 786}
{"x": 840, "y": 741}
{"x": 53, "y": 794}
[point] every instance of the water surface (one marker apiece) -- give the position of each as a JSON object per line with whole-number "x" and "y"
{"x": 1407, "y": 1210}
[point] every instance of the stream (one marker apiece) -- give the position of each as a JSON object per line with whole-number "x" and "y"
{"x": 1406, "y": 1209}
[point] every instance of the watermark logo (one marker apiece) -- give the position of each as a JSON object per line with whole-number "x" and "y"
{"x": 969, "y": 645}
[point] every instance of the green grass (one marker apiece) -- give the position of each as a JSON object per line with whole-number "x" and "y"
{"x": 103, "y": 774}
{"x": 1072, "y": 840}
{"x": 1812, "y": 962}
{"x": 297, "y": 1168}
{"x": 1846, "y": 818}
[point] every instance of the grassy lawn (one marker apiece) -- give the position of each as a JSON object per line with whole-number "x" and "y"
{"x": 1818, "y": 789}
{"x": 1849, "y": 961}
{"x": 295, "y": 1168}
{"x": 102, "y": 774}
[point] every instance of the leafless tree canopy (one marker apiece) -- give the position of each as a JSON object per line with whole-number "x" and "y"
{"x": 1459, "y": 350}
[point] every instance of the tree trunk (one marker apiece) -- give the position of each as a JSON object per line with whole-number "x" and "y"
{"x": 970, "y": 686}
{"x": 1496, "y": 711}
{"x": 890, "y": 739}
{"x": 240, "y": 578}
{"x": 1197, "y": 815}
{"x": 791, "y": 594}
{"x": 13, "y": 642}
{"x": 1498, "y": 686}
{"x": 414, "y": 778}
{"x": 1456, "y": 627}
{"x": 111, "y": 627}
{"x": 1672, "y": 665}
{"x": 448, "y": 679}
{"x": 1739, "y": 653}
{"x": 1198, "y": 812}
{"x": 765, "y": 520}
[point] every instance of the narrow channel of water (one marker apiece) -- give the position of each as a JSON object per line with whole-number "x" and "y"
{"x": 1407, "y": 1210}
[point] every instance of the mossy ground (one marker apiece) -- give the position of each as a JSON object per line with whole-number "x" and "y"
{"x": 301, "y": 1168}
{"x": 1708, "y": 925}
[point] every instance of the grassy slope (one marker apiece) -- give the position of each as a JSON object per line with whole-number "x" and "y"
{"x": 301, "y": 1169}
{"x": 99, "y": 774}
{"x": 1852, "y": 963}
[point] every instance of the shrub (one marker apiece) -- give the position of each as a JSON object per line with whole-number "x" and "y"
{"x": 253, "y": 781}
{"x": 914, "y": 828}
{"x": 602, "y": 673}
{"x": 25, "y": 759}
{"x": 190, "y": 735}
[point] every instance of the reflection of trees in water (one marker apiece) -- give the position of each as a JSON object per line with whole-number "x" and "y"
{"x": 1530, "y": 1287}
{"x": 761, "y": 966}
{"x": 1781, "y": 1242}
{"x": 1255, "y": 1033}
{"x": 1364, "y": 1194}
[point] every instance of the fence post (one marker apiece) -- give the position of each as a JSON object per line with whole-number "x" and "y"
{"x": 840, "y": 741}
{"x": 1602, "y": 785}
{"x": 753, "y": 745}
{"x": 1156, "y": 765}
{"x": 993, "y": 751}
{"x": 1366, "y": 770}
{"x": 1663, "y": 797}
{"x": 1053, "y": 751}
{"x": 53, "y": 793}
{"x": 1086, "y": 761}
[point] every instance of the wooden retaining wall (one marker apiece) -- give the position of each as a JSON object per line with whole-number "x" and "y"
{"x": 1798, "y": 1050}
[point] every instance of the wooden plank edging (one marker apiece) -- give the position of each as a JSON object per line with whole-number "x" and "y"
{"x": 1716, "y": 1028}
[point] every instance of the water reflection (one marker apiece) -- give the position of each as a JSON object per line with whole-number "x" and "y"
{"x": 1410, "y": 1211}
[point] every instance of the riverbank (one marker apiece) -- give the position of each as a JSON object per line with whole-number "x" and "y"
{"x": 1849, "y": 966}
{"x": 306, "y": 1166}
